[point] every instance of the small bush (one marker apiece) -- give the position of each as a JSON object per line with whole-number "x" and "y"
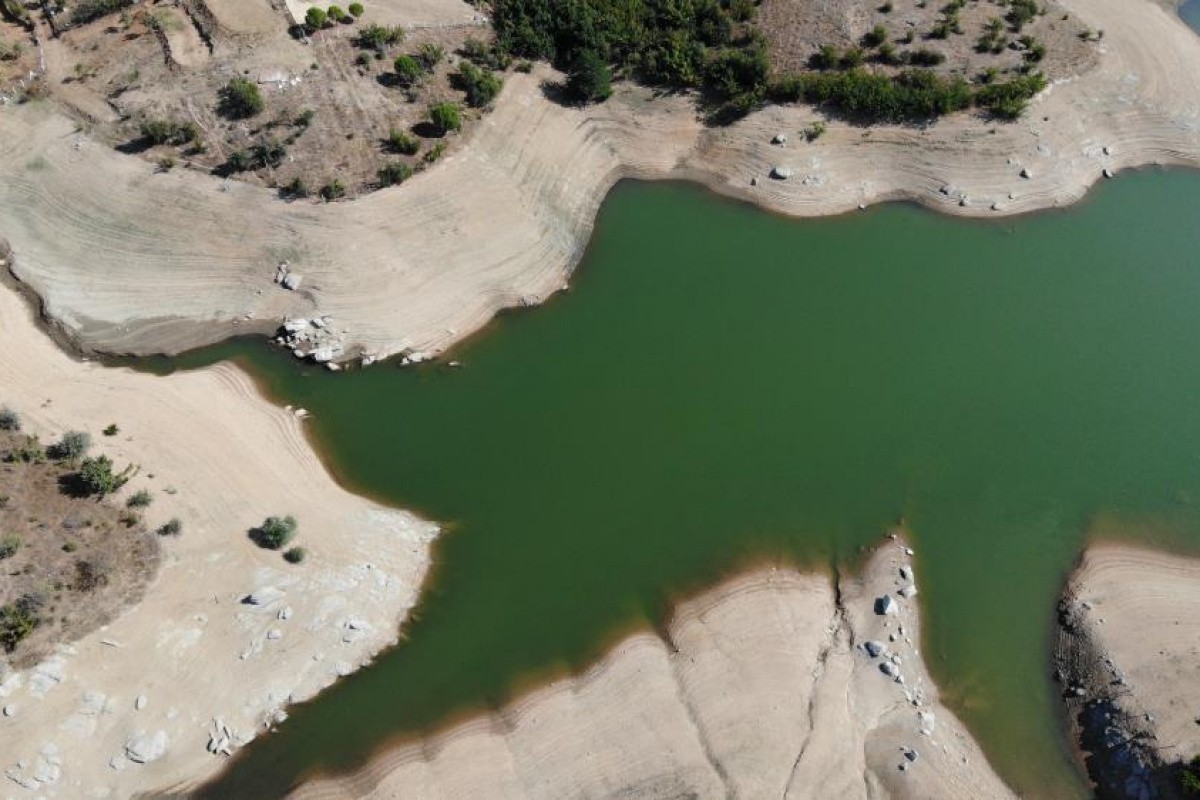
{"x": 9, "y": 420}
{"x": 481, "y": 85}
{"x": 296, "y": 188}
{"x": 356, "y": 9}
{"x": 403, "y": 142}
{"x": 112, "y": 430}
{"x": 394, "y": 174}
{"x": 17, "y": 621}
{"x": 275, "y": 532}
{"x": 430, "y": 55}
{"x": 924, "y": 57}
{"x": 295, "y": 555}
{"x": 333, "y": 190}
{"x": 1189, "y": 778}
{"x": 336, "y": 14}
{"x": 875, "y": 37}
{"x": 377, "y": 36}
{"x": 9, "y": 545}
{"x": 241, "y": 98}
{"x": 445, "y": 117}
{"x": 172, "y": 527}
{"x": 435, "y": 152}
{"x": 72, "y": 446}
{"x": 814, "y": 131}
{"x": 130, "y": 518}
{"x": 29, "y": 451}
{"x": 140, "y": 499}
{"x": 87, "y": 10}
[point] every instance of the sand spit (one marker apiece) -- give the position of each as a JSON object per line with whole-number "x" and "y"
{"x": 130, "y": 260}
{"x": 1129, "y": 660}
{"x": 195, "y": 666}
{"x": 767, "y": 687}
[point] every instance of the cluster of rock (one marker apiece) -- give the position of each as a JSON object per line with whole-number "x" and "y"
{"x": 891, "y": 662}
{"x": 312, "y": 339}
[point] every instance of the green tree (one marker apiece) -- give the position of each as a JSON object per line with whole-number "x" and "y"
{"x": 73, "y": 445}
{"x": 96, "y": 476}
{"x": 480, "y": 85}
{"x": 241, "y": 98}
{"x": 356, "y": 9}
{"x": 590, "y": 78}
{"x": 316, "y": 18}
{"x": 408, "y": 69}
{"x": 336, "y": 14}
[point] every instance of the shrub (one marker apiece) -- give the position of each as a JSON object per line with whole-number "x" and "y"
{"x": 336, "y": 14}
{"x": 1009, "y": 99}
{"x": 430, "y": 55}
{"x": 275, "y": 532}
{"x": 295, "y": 555}
{"x": 394, "y": 174}
{"x": 9, "y": 545}
{"x": 408, "y": 69}
{"x": 435, "y": 152}
{"x": 96, "y": 476}
{"x": 17, "y": 621}
{"x": 875, "y": 37}
{"x": 445, "y": 117}
{"x": 241, "y": 98}
{"x": 30, "y": 451}
{"x": 481, "y": 85}
{"x": 377, "y": 36}
{"x": 112, "y": 430}
{"x": 912, "y": 94}
{"x": 316, "y": 18}
{"x": 9, "y": 420}
{"x": 1189, "y": 778}
{"x": 403, "y": 142}
{"x": 924, "y": 57}
{"x": 333, "y": 190}
{"x": 172, "y": 527}
{"x": 87, "y": 10}
{"x": 297, "y": 188}
{"x": 814, "y": 131}
{"x": 852, "y": 58}
{"x": 356, "y": 9}
{"x": 305, "y": 118}
{"x": 828, "y": 57}
{"x": 72, "y": 446}
{"x": 140, "y": 499}
{"x": 1021, "y": 12}
{"x": 590, "y": 78}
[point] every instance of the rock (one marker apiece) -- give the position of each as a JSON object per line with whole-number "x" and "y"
{"x": 10, "y": 710}
{"x": 1108, "y": 173}
{"x": 1107, "y": 150}
{"x": 910, "y": 754}
{"x": 781, "y": 173}
{"x": 889, "y": 669}
{"x": 874, "y": 648}
{"x": 265, "y": 596}
{"x": 285, "y": 612}
{"x": 887, "y": 606}
{"x": 908, "y": 551}
{"x": 780, "y": 138}
{"x": 1025, "y": 173}
{"x": 908, "y": 592}
{"x": 292, "y": 281}
{"x": 274, "y": 634}
{"x": 905, "y": 573}
{"x": 140, "y": 702}
{"x": 144, "y": 748}
{"x": 754, "y": 181}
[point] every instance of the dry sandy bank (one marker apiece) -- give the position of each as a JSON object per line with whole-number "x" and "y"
{"x": 1129, "y": 655}
{"x": 764, "y": 688}
{"x": 126, "y": 259}
{"x": 220, "y": 458}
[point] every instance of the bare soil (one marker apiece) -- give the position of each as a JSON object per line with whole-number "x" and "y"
{"x": 795, "y": 31}
{"x": 81, "y": 560}
{"x": 329, "y": 102}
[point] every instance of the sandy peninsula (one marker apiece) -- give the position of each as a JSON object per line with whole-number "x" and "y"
{"x": 128, "y": 259}
{"x": 1128, "y": 658}
{"x": 774, "y": 684}
{"x": 196, "y": 665}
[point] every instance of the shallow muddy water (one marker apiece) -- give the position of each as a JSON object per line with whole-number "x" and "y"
{"x": 723, "y": 386}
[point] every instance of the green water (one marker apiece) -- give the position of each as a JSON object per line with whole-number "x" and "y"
{"x": 722, "y": 385}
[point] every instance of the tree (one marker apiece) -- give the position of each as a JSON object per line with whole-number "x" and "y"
{"x": 73, "y": 445}
{"x": 316, "y": 18}
{"x": 408, "y": 69}
{"x": 336, "y": 14}
{"x": 96, "y": 476}
{"x": 445, "y": 117}
{"x": 241, "y": 98}
{"x": 275, "y": 532}
{"x": 590, "y": 78}
{"x": 356, "y": 9}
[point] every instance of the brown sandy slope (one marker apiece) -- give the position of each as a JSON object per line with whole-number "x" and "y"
{"x": 764, "y": 689}
{"x": 1129, "y": 656}
{"x": 222, "y": 458}
{"x": 130, "y": 260}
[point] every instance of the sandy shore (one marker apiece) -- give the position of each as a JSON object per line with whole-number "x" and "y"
{"x": 764, "y": 688}
{"x": 220, "y": 458}
{"x": 1129, "y": 656}
{"x": 130, "y": 260}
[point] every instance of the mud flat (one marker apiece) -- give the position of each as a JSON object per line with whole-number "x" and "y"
{"x": 1129, "y": 662}
{"x": 227, "y": 634}
{"x": 764, "y": 686}
{"x": 128, "y": 260}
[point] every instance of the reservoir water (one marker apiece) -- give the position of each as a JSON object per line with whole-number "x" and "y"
{"x": 722, "y": 386}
